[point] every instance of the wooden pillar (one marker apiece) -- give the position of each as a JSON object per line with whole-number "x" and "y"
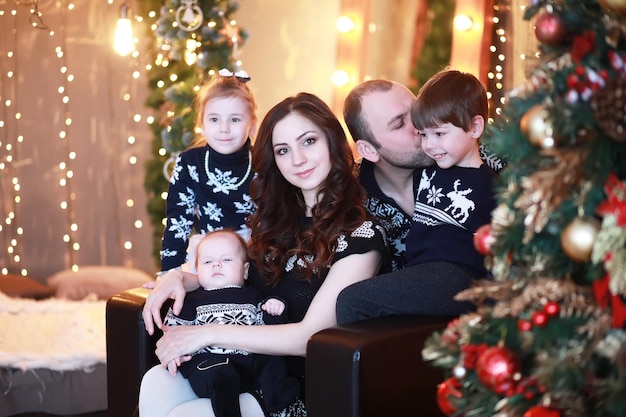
{"x": 470, "y": 48}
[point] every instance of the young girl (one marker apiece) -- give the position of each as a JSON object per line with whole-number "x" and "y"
{"x": 311, "y": 237}
{"x": 209, "y": 187}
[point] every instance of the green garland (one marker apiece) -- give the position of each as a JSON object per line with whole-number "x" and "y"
{"x": 435, "y": 54}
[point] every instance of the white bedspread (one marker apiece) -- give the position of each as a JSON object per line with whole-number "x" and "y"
{"x": 54, "y": 333}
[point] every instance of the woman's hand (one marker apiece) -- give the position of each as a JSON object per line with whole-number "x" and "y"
{"x": 178, "y": 342}
{"x": 169, "y": 286}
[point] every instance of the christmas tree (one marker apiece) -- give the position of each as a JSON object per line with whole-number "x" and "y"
{"x": 193, "y": 39}
{"x": 548, "y": 338}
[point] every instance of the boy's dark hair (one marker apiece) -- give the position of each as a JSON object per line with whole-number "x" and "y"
{"x": 450, "y": 96}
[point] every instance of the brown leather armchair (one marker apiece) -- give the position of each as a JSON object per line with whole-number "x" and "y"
{"x": 368, "y": 368}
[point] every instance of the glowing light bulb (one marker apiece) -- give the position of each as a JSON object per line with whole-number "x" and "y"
{"x": 124, "y": 43}
{"x": 344, "y": 24}
{"x": 340, "y": 78}
{"x": 463, "y": 22}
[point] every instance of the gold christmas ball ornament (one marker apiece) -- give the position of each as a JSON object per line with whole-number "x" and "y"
{"x": 537, "y": 126}
{"x": 618, "y": 6}
{"x": 578, "y": 238}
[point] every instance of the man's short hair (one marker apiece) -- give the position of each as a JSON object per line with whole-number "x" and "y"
{"x": 353, "y": 110}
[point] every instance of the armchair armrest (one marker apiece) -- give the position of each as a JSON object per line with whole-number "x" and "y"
{"x": 130, "y": 350}
{"x": 373, "y": 368}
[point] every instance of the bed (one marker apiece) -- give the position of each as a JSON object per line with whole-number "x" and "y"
{"x": 53, "y": 341}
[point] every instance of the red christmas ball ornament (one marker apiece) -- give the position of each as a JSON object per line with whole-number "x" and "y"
{"x": 451, "y": 387}
{"x": 541, "y": 411}
{"x": 498, "y": 368}
{"x": 549, "y": 28}
{"x": 483, "y": 239}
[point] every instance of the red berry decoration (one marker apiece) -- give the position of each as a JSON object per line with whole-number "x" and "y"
{"x": 552, "y": 308}
{"x": 448, "y": 388}
{"x": 541, "y": 411}
{"x": 539, "y": 318}
{"x": 497, "y": 368}
{"x": 549, "y": 28}
{"x": 483, "y": 239}
{"x": 524, "y": 325}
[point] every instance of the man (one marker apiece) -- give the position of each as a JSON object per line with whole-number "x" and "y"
{"x": 378, "y": 116}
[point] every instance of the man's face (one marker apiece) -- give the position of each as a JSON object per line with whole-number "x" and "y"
{"x": 389, "y": 117}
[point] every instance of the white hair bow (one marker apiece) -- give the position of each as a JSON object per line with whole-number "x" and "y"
{"x": 241, "y": 74}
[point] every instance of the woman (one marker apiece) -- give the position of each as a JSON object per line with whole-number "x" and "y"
{"x": 310, "y": 238}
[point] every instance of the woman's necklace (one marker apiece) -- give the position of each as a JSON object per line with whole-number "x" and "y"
{"x": 222, "y": 181}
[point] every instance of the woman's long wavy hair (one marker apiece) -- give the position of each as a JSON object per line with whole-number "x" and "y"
{"x": 277, "y": 232}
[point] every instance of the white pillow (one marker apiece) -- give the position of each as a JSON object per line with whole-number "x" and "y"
{"x": 101, "y": 280}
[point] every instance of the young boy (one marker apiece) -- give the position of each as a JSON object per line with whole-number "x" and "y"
{"x": 457, "y": 196}
{"x": 222, "y": 266}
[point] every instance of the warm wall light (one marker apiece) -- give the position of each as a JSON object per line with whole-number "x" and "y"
{"x": 463, "y": 22}
{"x": 344, "y": 24}
{"x": 340, "y": 78}
{"x": 124, "y": 43}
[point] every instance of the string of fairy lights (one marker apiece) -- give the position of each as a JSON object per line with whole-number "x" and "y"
{"x": 64, "y": 131}
{"x": 498, "y": 50}
{"x": 509, "y": 55}
{"x": 13, "y": 133}
{"x": 11, "y": 230}
{"x": 9, "y": 182}
{"x": 138, "y": 121}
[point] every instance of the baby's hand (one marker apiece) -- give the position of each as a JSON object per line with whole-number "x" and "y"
{"x": 172, "y": 366}
{"x": 149, "y": 285}
{"x": 274, "y": 307}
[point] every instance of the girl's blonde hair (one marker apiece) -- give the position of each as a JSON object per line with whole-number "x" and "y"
{"x": 220, "y": 86}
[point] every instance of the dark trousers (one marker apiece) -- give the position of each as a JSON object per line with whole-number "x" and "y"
{"x": 427, "y": 289}
{"x": 222, "y": 378}
{"x": 222, "y": 382}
